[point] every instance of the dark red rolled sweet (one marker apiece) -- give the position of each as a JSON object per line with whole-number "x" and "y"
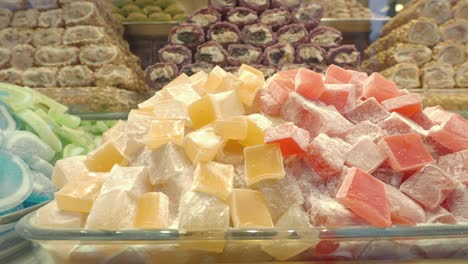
{"x": 222, "y": 5}
{"x": 191, "y": 69}
{"x": 320, "y": 68}
{"x": 293, "y": 34}
{"x": 309, "y": 15}
{"x": 345, "y": 56}
{"x": 244, "y": 54}
{"x": 211, "y": 52}
{"x": 176, "y": 54}
{"x": 224, "y": 33}
{"x": 256, "y": 5}
{"x": 205, "y": 17}
{"x": 189, "y": 35}
{"x": 159, "y": 74}
{"x": 276, "y": 18}
{"x": 242, "y": 16}
{"x": 288, "y": 4}
{"x": 325, "y": 37}
{"x": 310, "y": 54}
{"x": 267, "y": 70}
{"x": 258, "y": 35}
{"x": 279, "y": 54}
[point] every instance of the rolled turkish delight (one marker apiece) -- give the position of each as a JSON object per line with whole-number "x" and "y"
{"x": 75, "y": 76}
{"x": 98, "y": 55}
{"x": 460, "y": 10}
{"x": 10, "y": 37}
{"x": 279, "y": 54}
{"x": 267, "y": 70}
{"x": 276, "y": 18}
{"x": 450, "y": 52}
{"x": 224, "y": 33}
{"x": 461, "y": 75}
{"x": 22, "y": 56}
{"x": 189, "y": 35}
{"x": 11, "y": 75}
{"x": 211, "y": 52}
{"x": 5, "y": 56}
{"x": 403, "y": 75}
{"x": 222, "y": 5}
{"x": 438, "y": 75}
{"x": 119, "y": 76}
{"x": 191, "y": 69}
{"x": 309, "y": 15}
{"x": 55, "y": 56}
{"x": 50, "y": 18}
{"x": 48, "y": 37}
{"x": 325, "y": 37}
{"x": 345, "y": 56}
{"x": 160, "y": 74}
{"x": 25, "y": 18}
{"x": 82, "y": 35}
{"x": 422, "y": 31}
{"x": 410, "y": 11}
{"x": 310, "y": 54}
{"x": 205, "y": 17}
{"x": 256, "y": 5}
{"x": 288, "y": 4}
{"x": 177, "y": 54}
{"x": 258, "y": 35}
{"x": 293, "y": 34}
{"x": 242, "y": 16}
{"x": 455, "y": 29}
{"x": 244, "y": 54}
{"x": 402, "y": 52}
{"x": 5, "y": 17}
{"x": 40, "y": 77}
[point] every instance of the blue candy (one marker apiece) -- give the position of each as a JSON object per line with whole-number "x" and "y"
{"x": 43, "y": 189}
{"x": 16, "y": 181}
{"x": 14, "y": 209}
{"x": 42, "y": 166}
{"x": 26, "y": 145}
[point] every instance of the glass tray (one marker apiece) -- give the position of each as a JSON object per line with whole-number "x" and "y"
{"x": 247, "y": 245}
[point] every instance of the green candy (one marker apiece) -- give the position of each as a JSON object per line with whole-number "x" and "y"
{"x": 64, "y": 118}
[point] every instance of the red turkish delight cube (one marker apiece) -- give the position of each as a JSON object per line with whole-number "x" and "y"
{"x": 457, "y": 203}
{"x": 429, "y": 186}
{"x": 380, "y": 88}
{"x": 455, "y": 165}
{"x": 406, "y": 152}
{"x": 422, "y": 120}
{"x": 389, "y": 176}
{"x": 452, "y": 134}
{"x": 341, "y": 96}
{"x": 440, "y": 215}
{"x": 279, "y": 88}
{"x": 363, "y": 130}
{"x": 366, "y": 197}
{"x": 405, "y": 105}
{"x": 339, "y": 74}
{"x": 292, "y": 139}
{"x": 267, "y": 103}
{"x": 396, "y": 124}
{"x": 309, "y": 83}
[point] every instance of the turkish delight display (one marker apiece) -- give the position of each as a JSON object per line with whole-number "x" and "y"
{"x": 424, "y": 46}
{"x": 223, "y": 151}
{"x": 268, "y": 34}
{"x": 343, "y": 9}
{"x": 148, "y": 10}
{"x": 74, "y": 44}
{"x": 35, "y": 132}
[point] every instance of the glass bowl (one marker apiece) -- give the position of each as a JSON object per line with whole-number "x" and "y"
{"x": 249, "y": 245}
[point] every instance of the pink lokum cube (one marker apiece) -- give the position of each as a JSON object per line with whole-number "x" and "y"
{"x": 309, "y": 83}
{"x": 396, "y": 124}
{"x": 267, "y": 103}
{"x": 403, "y": 210}
{"x": 389, "y": 176}
{"x": 369, "y": 110}
{"x": 339, "y": 74}
{"x": 457, "y": 203}
{"x": 406, "y": 152}
{"x": 366, "y": 197}
{"x": 456, "y": 165}
{"x": 405, "y": 105}
{"x": 440, "y": 215}
{"x": 327, "y": 155}
{"x": 452, "y": 134}
{"x": 366, "y": 155}
{"x": 363, "y": 130}
{"x": 429, "y": 186}
{"x": 380, "y": 88}
{"x": 341, "y": 96}
{"x": 292, "y": 139}
{"x": 422, "y": 120}
{"x": 278, "y": 88}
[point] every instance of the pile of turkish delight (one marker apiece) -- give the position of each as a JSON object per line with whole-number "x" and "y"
{"x": 271, "y": 35}
{"x": 218, "y": 151}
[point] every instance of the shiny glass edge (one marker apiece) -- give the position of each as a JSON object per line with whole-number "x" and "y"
{"x": 28, "y": 230}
